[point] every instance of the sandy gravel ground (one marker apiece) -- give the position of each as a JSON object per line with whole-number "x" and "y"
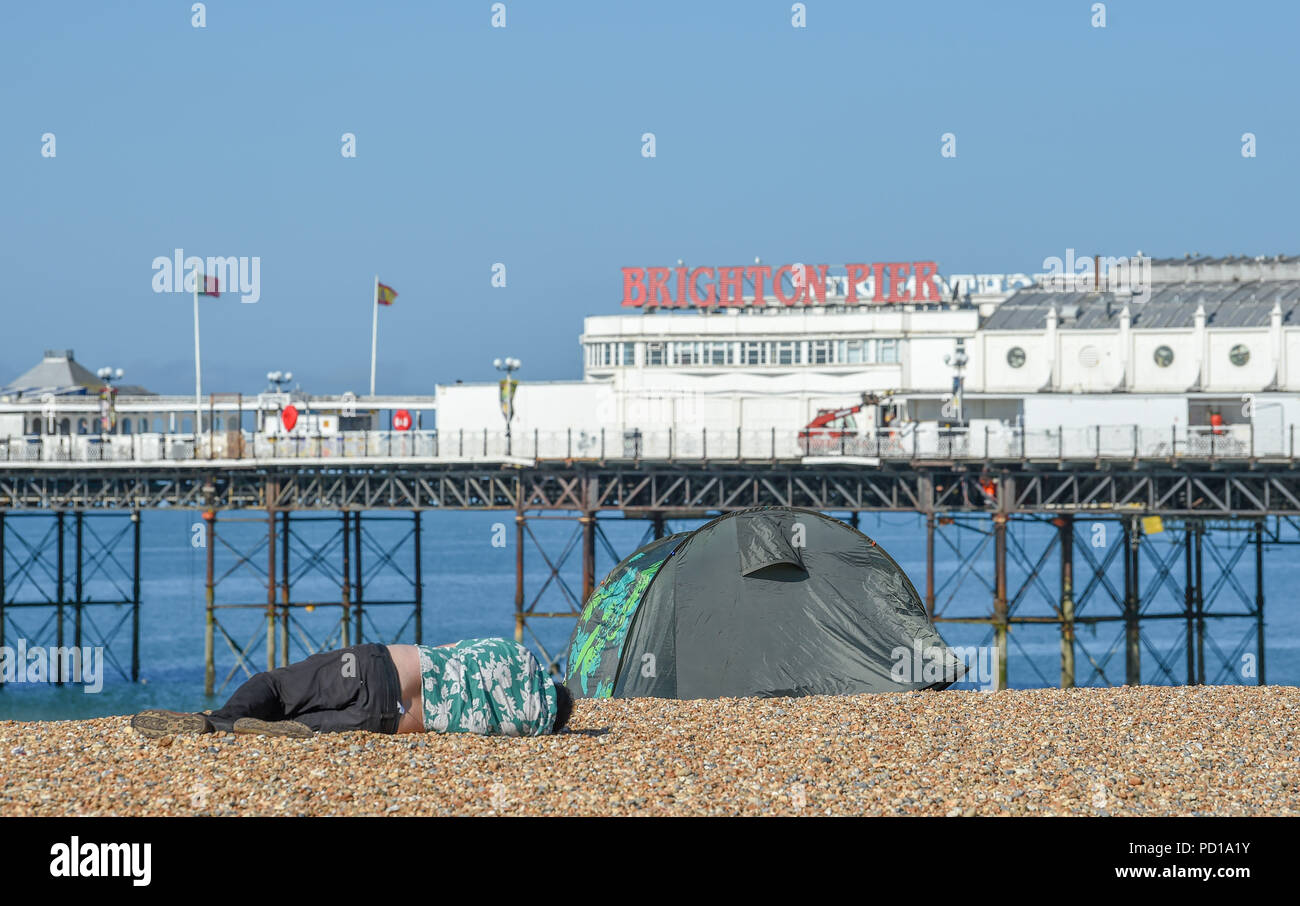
{"x": 1138, "y": 751}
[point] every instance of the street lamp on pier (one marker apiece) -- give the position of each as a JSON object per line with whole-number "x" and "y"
{"x": 508, "y": 386}
{"x": 108, "y": 398}
{"x": 958, "y": 360}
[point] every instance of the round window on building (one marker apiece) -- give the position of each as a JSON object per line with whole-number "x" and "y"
{"x": 1239, "y": 355}
{"x": 1164, "y": 356}
{"x": 1015, "y": 357}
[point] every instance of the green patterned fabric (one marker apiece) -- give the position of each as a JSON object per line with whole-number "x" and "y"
{"x": 493, "y": 687}
{"x": 597, "y": 641}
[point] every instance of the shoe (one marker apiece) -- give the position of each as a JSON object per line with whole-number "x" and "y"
{"x": 157, "y": 724}
{"x": 291, "y": 728}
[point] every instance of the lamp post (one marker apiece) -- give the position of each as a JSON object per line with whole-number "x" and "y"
{"x": 508, "y": 385}
{"x": 275, "y": 381}
{"x": 108, "y": 399}
{"x": 958, "y": 361}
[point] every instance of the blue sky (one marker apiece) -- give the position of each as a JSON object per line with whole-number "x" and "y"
{"x": 522, "y": 145}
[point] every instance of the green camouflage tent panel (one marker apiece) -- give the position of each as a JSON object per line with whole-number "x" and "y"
{"x": 760, "y": 602}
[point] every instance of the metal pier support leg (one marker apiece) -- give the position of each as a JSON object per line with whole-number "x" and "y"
{"x": 79, "y": 585}
{"x": 1259, "y": 600}
{"x": 135, "y": 596}
{"x": 519, "y": 576}
{"x": 1189, "y": 600}
{"x": 284, "y": 589}
{"x": 270, "y": 583}
{"x": 419, "y": 583}
{"x": 929, "y": 563}
{"x": 1066, "y": 528}
{"x": 588, "y": 522}
{"x": 209, "y": 601}
{"x": 1132, "y": 629}
{"x": 357, "y": 587}
{"x": 657, "y": 521}
{"x": 59, "y": 597}
{"x": 1200, "y": 608}
{"x": 1000, "y": 611}
{"x": 345, "y": 624}
{"x": 2, "y": 587}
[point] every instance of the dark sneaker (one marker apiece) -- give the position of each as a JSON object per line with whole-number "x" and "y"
{"x": 290, "y": 728}
{"x": 157, "y": 724}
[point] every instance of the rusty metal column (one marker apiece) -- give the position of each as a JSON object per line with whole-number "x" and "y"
{"x": 271, "y": 495}
{"x": 209, "y": 603}
{"x": 1000, "y": 611}
{"x": 929, "y": 565}
{"x": 284, "y": 588}
{"x": 519, "y": 575}
{"x": 359, "y": 586}
{"x": 345, "y": 627}
{"x": 1189, "y": 600}
{"x": 58, "y": 672}
{"x": 135, "y": 596}
{"x": 1132, "y": 594}
{"x": 657, "y": 521}
{"x": 2, "y": 587}
{"x": 78, "y": 583}
{"x": 1200, "y": 609}
{"x": 1259, "y": 600}
{"x": 419, "y": 584}
{"x": 588, "y": 523}
{"x": 1065, "y": 525}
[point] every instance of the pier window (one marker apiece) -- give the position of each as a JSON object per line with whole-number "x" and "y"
{"x": 853, "y": 352}
{"x": 719, "y": 353}
{"x": 754, "y": 353}
{"x": 654, "y": 353}
{"x": 787, "y": 353}
{"x": 888, "y": 352}
{"x": 821, "y": 352}
{"x": 1239, "y": 355}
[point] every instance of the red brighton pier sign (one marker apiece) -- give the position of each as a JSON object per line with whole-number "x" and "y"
{"x": 789, "y": 284}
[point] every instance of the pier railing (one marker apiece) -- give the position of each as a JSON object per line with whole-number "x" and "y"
{"x": 925, "y": 441}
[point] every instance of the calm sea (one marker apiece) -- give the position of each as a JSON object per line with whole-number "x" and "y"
{"x": 469, "y": 587}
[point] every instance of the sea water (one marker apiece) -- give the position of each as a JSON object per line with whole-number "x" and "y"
{"x": 469, "y": 591}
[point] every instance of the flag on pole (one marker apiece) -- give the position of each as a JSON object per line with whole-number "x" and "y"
{"x": 508, "y": 387}
{"x": 384, "y": 295}
{"x": 210, "y": 286}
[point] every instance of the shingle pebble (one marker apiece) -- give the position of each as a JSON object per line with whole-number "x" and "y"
{"x": 1127, "y": 751}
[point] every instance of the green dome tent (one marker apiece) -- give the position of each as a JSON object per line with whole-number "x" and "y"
{"x": 761, "y": 602}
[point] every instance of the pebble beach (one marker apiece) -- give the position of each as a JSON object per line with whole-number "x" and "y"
{"x": 1125, "y": 751}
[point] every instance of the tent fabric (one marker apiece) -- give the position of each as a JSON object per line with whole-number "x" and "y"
{"x": 602, "y": 626}
{"x": 765, "y": 540}
{"x": 771, "y": 601}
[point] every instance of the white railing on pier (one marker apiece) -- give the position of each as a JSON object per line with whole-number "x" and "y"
{"x": 926, "y": 441}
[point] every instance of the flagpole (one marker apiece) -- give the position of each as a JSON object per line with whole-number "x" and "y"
{"x": 374, "y": 336}
{"x": 198, "y": 372}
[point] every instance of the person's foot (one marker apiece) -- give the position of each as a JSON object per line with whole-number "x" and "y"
{"x": 157, "y": 724}
{"x": 291, "y": 728}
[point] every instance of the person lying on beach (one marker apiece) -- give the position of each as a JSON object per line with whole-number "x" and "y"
{"x": 485, "y": 686}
